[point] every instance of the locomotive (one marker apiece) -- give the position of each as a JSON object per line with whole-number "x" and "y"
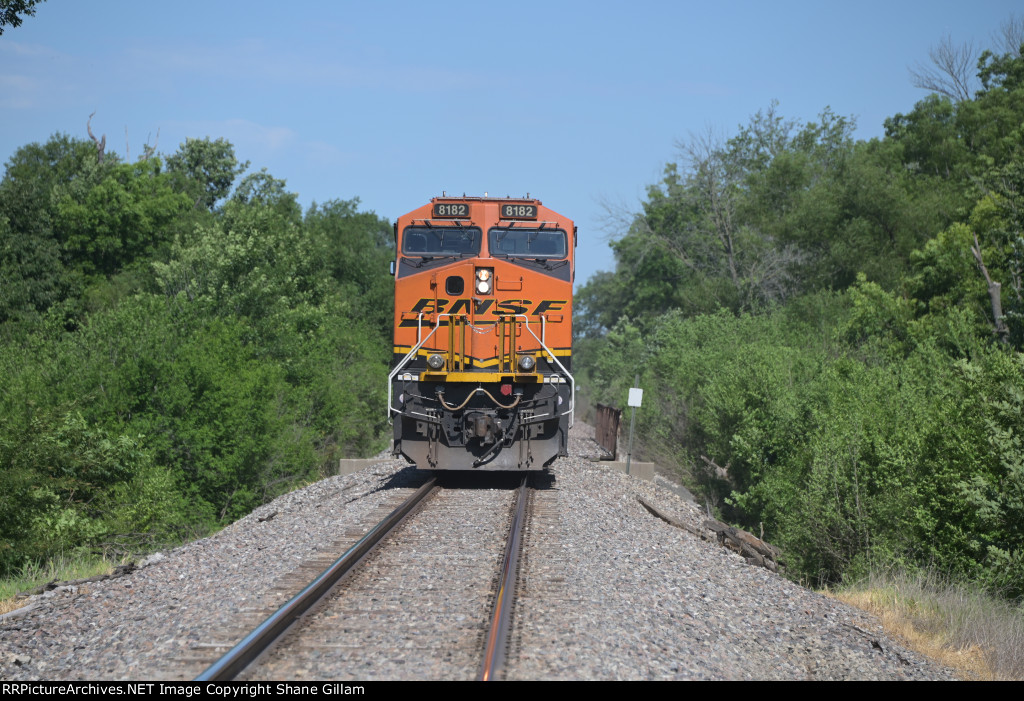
{"x": 480, "y": 376}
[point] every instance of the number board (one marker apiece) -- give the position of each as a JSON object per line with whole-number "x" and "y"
{"x": 451, "y": 209}
{"x": 518, "y": 211}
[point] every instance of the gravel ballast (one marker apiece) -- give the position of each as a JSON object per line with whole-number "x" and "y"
{"x": 609, "y": 592}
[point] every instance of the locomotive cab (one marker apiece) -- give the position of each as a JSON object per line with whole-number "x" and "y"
{"x": 480, "y": 377}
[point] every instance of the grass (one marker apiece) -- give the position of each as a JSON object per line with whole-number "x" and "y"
{"x": 965, "y": 628}
{"x": 59, "y": 569}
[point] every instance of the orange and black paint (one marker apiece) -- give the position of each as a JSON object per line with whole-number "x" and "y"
{"x": 486, "y": 283}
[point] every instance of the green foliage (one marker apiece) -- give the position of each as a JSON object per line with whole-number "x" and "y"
{"x": 209, "y": 167}
{"x": 828, "y": 425}
{"x": 33, "y": 273}
{"x": 995, "y": 490}
{"x": 879, "y": 319}
{"x": 945, "y": 274}
{"x": 11, "y": 11}
{"x": 357, "y": 248}
{"x": 168, "y": 367}
{"x": 829, "y": 334}
{"x": 54, "y": 474}
{"x": 251, "y": 264}
{"x": 128, "y": 213}
{"x": 264, "y": 190}
{"x": 928, "y": 138}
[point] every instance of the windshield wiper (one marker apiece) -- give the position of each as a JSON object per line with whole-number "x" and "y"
{"x": 423, "y": 260}
{"x": 547, "y": 264}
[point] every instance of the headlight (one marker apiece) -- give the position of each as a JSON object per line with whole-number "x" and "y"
{"x": 526, "y": 363}
{"x": 436, "y": 361}
{"x": 483, "y": 280}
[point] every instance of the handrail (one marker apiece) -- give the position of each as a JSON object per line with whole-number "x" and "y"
{"x": 419, "y": 344}
{"x": 415, "y": 349}
{"x": 572, "y": 381}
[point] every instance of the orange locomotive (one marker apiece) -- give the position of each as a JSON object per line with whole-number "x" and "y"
{"x": 483, "y": 334}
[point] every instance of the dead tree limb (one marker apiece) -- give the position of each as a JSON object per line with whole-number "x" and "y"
{"x": 753, "y": 549}
{"x": 994, "y": 293}
{"x": 101, "y": 144}
{"x": 720, "y": 472}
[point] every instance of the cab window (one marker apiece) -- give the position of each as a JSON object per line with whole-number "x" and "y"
{"x": 527, "y": 243}
{"x": 431, "y": 241}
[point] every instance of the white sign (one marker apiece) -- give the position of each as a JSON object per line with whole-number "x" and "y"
{"x": 636, "y": 396}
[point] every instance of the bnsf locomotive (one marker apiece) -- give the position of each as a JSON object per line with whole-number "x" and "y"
{"x": 483, "y": 335}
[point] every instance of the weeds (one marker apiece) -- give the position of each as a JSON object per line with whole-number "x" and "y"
{"x": 960, "y": 626}
{"x": 61, "y": 568}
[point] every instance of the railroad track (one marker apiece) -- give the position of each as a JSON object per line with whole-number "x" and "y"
{"x": 499, "y": 635}
{"x": 427, "y": 593}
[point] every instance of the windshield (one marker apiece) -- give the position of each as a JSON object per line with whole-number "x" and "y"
{"x": 527, "y": 243}
{"x": 430, "y": 241}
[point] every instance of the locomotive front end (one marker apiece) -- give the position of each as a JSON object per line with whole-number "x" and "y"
{"x": 481, "y": 377}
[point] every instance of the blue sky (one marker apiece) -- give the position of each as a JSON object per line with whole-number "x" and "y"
{"x": 578, "y": 103}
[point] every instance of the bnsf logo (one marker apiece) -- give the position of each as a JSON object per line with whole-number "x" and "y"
{"x": 485, "y": 307}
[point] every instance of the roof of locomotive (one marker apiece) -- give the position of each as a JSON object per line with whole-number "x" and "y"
{"x": 428, "y": 211}
{"x": 486, "y": 198}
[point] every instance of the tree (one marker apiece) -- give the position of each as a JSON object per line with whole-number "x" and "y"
{"x": 1010, "y": 37}
{"x": 930, "y": 138}
{"x": 738, "y": 215}
{"x": 33, "y": 271}
{"x": 10, "y": 9}
{"x": 951, "y": 72}
{"x": 130, "y": 212}
{"x": 357, "y": 247}
{"x": 265, "y": 190}
{"x": 210, "y": 168}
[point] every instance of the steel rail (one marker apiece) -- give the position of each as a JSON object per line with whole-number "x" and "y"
{"x": 250, "y": 647}
{"x": 501, "y": 619}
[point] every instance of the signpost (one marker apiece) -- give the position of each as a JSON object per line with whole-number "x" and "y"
{"x": 636, "y": 396}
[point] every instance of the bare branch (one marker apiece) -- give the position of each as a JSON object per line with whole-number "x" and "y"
{"x": 994, "y": 293}
{"x": 717, "y": 470}
{"x": 952, "y": 70}
{"x": 1010, "y": 36}
{"x": 101, "y": 144}
{"x": 617, "y": 217}
{"x": 147, "y": 150}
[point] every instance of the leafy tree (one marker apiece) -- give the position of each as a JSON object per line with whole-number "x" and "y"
{"x": 33, "y": 268}
{"x": 994, "y": 489}
{"x": 862, "y": 405}
{"x": 252, "y": 264}
{"x": 167, "y": 367}
{"x": 209, "y": 167}
{"x": 357, "y": 248}
{"x": 929, "y": 138}
{"x": 32, "y": 274}
{"x": 264, "y": 189}
{"x": 11, "y": 9}
{"x": 128, "y": 212}
{"x": 598, "y": 304}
